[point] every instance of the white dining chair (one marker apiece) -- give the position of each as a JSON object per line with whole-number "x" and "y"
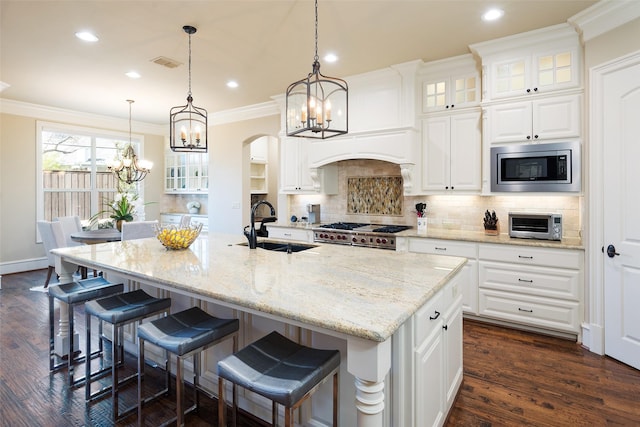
{"x": 138, "y": 229}
{"x": 52, "y": 238}
{"x": 70, "y": 224}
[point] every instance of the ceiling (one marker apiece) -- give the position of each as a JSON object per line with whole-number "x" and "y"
{"x": 263, "y": 44}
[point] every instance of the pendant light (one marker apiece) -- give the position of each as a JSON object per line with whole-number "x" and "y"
{"x": 317, "y": 106}
{"x": 188, "y": 123}
{"x": 128, "y": 168}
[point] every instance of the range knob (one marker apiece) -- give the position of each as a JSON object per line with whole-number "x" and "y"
{"x": 363, "y": 240}
{"x": 378, "y": 240}
{"x": 384, "y": 241}
{"x": 354, "y": 240}
{"x": 331, "y": 237}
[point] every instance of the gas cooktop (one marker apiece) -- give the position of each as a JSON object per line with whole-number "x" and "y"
{"x": 359, "y": 234}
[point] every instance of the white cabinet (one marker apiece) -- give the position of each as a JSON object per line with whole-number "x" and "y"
{"x": 539, "y": 72}
{"x": 296, "y": 177}
{"x": 541, "y": 61}
{"x": 186, "y": 173}
{"x": 451, "y": 83}
{"x": 468, "y": 283}
{"x": 539, "y": 287}
{"x": 451, "y": 152}
{"x": 540, "y": 119}
{"x": 437, "y": 355}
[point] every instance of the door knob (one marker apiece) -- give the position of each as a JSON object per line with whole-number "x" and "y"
{"x": 611, "y": 251}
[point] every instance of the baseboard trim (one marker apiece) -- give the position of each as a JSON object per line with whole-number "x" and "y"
{"x": 21, "y": 266}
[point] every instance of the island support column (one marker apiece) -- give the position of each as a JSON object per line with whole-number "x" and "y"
{"x": 65, "y": 271}
{"x": 369, "y": 361}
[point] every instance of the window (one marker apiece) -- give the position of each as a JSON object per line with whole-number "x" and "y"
{"x": 72, "y": 163}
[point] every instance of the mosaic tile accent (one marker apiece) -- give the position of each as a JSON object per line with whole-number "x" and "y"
{"x": 379, "y": 195}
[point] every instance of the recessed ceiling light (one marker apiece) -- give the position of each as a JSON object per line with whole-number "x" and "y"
{"x": 330, "y": 57}
{"x": 86, "y": 36}
{"x": 133, "y": 75}
{"x": 492, "y": 15}
{"x": 232, "y": 84}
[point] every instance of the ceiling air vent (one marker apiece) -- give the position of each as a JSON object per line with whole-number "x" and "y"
{"x": 166, "y": 62}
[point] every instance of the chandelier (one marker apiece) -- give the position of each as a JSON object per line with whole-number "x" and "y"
{"x": 317, "y": 106}
{"x": 188, "y": 123}
{"x": 128, "y": 168}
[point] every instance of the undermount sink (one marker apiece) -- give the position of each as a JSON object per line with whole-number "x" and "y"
{"x": 282, "y": 246}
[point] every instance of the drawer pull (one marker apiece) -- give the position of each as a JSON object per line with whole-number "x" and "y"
{"x": 440, "y": 249}
{"x": 287, "y": 234}
{"x": 525, "y": 280}
{"x": 526, "y": 311}
{"x": 445, "y": 327}
{"x": 435, "y": 317}
{"x": 525, "y": 257}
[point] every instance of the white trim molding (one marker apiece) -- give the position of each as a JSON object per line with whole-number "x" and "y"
{"x": 604, "y": 16}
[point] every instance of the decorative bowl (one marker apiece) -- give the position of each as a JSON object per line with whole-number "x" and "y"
{"x": 177, "y": 237}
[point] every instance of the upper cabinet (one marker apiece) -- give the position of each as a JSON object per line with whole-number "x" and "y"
{"x": 536, "y": 120}
{"x": 186, "y": 173}
{"x": 449, "y": 84}
{"x": 296, "y": 177}
{"x": 452, "y": 152}
{"x": 537, "y": 62}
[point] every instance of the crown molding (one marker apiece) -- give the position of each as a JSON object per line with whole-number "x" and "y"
{"x": 255, "y": 111}
{"x": 604, "y": 16}
{"x": 53, "y": 114}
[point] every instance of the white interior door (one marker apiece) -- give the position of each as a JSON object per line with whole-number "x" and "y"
{"x": 621, "y": 151}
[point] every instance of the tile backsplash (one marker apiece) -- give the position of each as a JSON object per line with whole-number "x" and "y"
{"x": 456, "y": 212}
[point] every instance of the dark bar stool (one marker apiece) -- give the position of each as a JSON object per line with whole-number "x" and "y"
{"x": 118, "y": 310}
{"x": 184, "y": 334}
{"x": 73, "y": 294}
{"x": 281, "y": 370}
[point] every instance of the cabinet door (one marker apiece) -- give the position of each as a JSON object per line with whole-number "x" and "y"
{"x": 429, "y": 380}
{"x": 447, "y": 93}
{"x": 175, "y": 173}
{"x": 510, "y": 77}
{"x": 435, "y": 153}
{"x": 555, "y": 70}
{"x": 452, "y": 334}
{"x": 510, "y": 122}
{"x": 557, "y": 117}
{"x": 289, "y": 168}
{"x": 465, "y": 155}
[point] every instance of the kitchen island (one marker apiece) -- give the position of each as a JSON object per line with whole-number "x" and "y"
{"x": 367, "y": 299}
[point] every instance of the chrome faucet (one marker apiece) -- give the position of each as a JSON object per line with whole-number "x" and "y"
{"x": 251, "y": 234}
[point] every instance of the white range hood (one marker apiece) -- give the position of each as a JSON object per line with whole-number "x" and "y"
{"x": 398, "y": 145}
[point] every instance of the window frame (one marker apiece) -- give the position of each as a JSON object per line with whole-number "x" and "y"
{"x": 93, "y": 133}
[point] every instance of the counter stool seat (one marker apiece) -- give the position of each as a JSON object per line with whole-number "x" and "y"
{"x": 118, "y": 310}
{"x": 281, "y": 370}
{"x": 184, "y": 334}
{"x": 73, "y": 294}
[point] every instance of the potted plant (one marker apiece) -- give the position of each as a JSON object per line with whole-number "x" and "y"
{"x": 193, "y": 207}
{"x": 123, "y": 207}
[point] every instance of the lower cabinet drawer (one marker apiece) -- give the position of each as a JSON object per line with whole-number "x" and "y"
{"x": 532, "y": 280}
{"x": 290, "y": 234}
{"x": 530, "y": 310}
{"x": 429, "y": 317}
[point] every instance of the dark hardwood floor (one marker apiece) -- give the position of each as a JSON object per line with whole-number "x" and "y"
{"x": 511, "y": 378}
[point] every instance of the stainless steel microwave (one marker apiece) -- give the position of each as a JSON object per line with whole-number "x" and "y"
{"x": 536, "y": 167}
{"x": 535, "y": 226}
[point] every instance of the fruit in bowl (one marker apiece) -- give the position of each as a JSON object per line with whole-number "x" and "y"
{"x": 176, "y": 237}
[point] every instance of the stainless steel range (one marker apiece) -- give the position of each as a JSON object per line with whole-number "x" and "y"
{"x": 358, "y": 234}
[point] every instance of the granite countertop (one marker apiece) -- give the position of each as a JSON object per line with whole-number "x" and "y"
{"x": 466, "y": 236}
{"x": 329, "y": 286}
